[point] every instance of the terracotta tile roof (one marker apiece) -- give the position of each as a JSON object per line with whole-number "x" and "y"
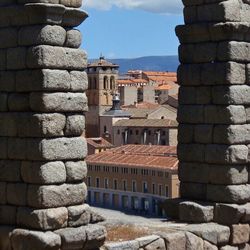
{"x": 121, "y": 158}
{"x": 147, "y": 123}
{"x": 99, "y": 143}
{"x": 154, "y": 150}
{"x": 131, "y": 81}
{"x": 102, "y": 63}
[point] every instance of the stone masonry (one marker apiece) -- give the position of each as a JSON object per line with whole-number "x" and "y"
{"x": 42, "y": 150}
{"x": 214, "y": 117}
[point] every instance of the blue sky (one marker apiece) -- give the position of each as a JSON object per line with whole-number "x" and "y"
{"x": 122, "y": 29}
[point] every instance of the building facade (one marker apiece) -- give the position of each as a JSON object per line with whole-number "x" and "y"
{"x": 145, "y": 131}
{"x": 135, "y": 178}
{"x": 102, "y": 77}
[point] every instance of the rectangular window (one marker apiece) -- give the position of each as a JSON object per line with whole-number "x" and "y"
{"x": 115, "y": 184}
{"x": 89, "y": 181}
{"x": 124, "y": 185}
{"x": 133, "y": 186}
{"x": 153, "y": 188}
{"x": 97, "y": 182}
{"x": 160, "y": 190}
{"x": 106, "y": 183}
{"x": 145, "y": 187}
{"x": 166, "y": 191}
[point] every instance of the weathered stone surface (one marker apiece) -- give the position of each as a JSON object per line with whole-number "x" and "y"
{"x": 233, "y": 51}
{"x": 44, "y": 219}
{"x": 16, "y": 58}
{"x": 5, "y": 233}
{"x": 56, "y": 196}
{"x": 96, "y": 235}
{"x": 72, "y": 238}
{"x": 17, "y": 148}
{"x": 209, "y": 246}
{"x": 30, "y": 240}
{"x": 7, "y": 215}
{"x": 132, "y": 245}
{"x": 240, "y": 234}
{"x": 224, "y": 154}
{"x": 16, "y": 194}
{"x": 3, "y": 102}
{"x": 213, "y": 173}
{"x": 42, "y": 34}
{"x": 75, "y": 125}
{"x": 191, "y": 152}
{"x": 41, "y": 125}
{"x": 10, "y": 171}
{"x": 146, "y": 240}
{"x": 193, "y": 114}
{"x": 76, "y": 171}
{"x": 231, "y": 114}
{"x": 58, "y": 102}
{"x": 43, "y": 173}
{"x": 79, "y": 215}
{"x": 40, "y": 13}
{"x": 174, "y": 241}
{"x": 229, "y": 248}
{"x": 18, "y": 102}
{"x": 232, "y": 134}
{"x": 158, "y": 244}
{"x": 193, "y": 242}
{"x": 235, "y": 95}
{"x": 7, "y": 81}
{"x": 3, "y": 193}
{"x": 3, "y": 147}
{"x": 44, "y": 56}
{"x": 8, "y": 37}
{"x": 211, "y": 232}
{"x": 195, "y": 212}
{"x": 238, "y": 194}
{"x": 57, "y": 149}
{"x": 203, "y": 134}
{"x": 194, "y": 191}
{"x": 228, "y": 214}
{"x": 73, "y": 39}
{"x": 185, "y": 133}
{"x": 95, "y": 217}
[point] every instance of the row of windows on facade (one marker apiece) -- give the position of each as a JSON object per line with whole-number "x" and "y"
{"x": 149, "y": 132}
{"x": 145, "y": 188}
{"x": 134, "y": 171}
{"x": 108, "y": 83}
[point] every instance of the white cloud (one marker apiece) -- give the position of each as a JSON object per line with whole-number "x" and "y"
{"x": 156, "y": 6}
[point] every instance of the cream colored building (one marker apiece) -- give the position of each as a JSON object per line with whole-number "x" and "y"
{"x": 133, "y": 177}
{"x": 145, "y": 131}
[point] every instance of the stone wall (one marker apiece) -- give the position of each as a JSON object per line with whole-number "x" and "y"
{"x": 214, "y": 118}
{"x": 42, "y": 105}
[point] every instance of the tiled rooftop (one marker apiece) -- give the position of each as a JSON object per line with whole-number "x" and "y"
{"x": 99, "y": 143}
{"x": 140, "y": 156}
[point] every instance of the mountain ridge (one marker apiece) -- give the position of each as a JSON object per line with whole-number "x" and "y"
{"x": 147, "y": 63}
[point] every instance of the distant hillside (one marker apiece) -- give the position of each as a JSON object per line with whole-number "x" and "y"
{"x": 154, "y": 63}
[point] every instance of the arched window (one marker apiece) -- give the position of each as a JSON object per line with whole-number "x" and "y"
{"x": 112, "y": 82}
{"x": 105, "y": 82}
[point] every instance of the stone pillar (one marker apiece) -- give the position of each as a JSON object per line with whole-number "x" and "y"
{"x": 42, "y": 150}
{"x": 214, "y": 117}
